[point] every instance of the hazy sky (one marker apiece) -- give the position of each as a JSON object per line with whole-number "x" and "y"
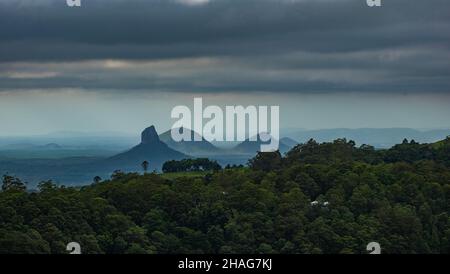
{"x": 122, "y": 65}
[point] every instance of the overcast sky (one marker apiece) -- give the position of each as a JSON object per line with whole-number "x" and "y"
{"x": 122, "y": 65}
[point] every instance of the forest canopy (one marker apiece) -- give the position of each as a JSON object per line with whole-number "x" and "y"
{"x": 318, "y": 198}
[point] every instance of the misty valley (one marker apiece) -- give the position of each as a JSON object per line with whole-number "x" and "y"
{"x": 73, "y": 159}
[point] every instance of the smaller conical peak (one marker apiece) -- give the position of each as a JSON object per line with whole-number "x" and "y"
{"x": 149, "y": 135}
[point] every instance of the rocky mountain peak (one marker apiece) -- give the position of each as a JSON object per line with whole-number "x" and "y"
{"x": 149, "y": 135}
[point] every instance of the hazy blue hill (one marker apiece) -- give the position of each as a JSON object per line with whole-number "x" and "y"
{"x": 151, "y": 149}
{"x": 54, "y": 153}
{"x": 68, "y": 171}
{"x": 289, "y": 142}
{"x": 192, "y": 148}
{"x": 378, "y": 137}
{"x": 52, "y": 146}
{"x": 19, "y": 146}
{"x": 72, "y": 140}
{"x": 252, "y": 147}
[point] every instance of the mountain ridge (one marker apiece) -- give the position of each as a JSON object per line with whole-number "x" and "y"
{"x": 151, "y": 149}
{"x": 193, "y": 148}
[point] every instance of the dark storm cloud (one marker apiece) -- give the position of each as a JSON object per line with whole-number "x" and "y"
{"x": 267, "y": 45}
{"x": 162, "y": 29}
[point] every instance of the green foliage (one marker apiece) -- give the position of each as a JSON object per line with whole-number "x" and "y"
{"x": 145, "y": 165}
{"x": 13, "y": 183}
{"x": 199, "y": 164}
{"x": 319, "y": 198}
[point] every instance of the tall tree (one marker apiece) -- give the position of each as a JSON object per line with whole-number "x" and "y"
{"x": 97, "y": 179}
{"x": 10, "y": 182}
{"x": 145, "y": 166}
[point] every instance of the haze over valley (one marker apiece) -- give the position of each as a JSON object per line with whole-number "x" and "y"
{"x": 72, "y": 158}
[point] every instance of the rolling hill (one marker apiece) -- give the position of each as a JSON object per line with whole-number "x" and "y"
{"x": 377, "y": 137}
{"x": 251, "y": 147}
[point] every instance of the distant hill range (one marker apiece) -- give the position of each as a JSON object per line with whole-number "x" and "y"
{"x": 288, "y": 142}
{"x": 205, "y": 148}
{"x": 252, "y": 147}
{"x": 151, "y": 149}
{"x": 377, "y": 137}
{"x": 197, "y": 148}
{"x": 27, "y": 146}
{"x": 63, "y": 165}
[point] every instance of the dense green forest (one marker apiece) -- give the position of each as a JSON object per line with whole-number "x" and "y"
{"x": 318, "y": 198}
{"x": 198, "y": 164}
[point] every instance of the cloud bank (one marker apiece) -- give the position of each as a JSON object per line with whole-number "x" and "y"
{"x": 226, "y": 46}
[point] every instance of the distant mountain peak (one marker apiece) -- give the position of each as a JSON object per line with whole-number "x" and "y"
{"x": 149, "y": 135}
{"x": 193, "y": 148}
{"x": 151, "y": 149}
{"x": 251, "y": 147}
{"x": 52, "y": 146}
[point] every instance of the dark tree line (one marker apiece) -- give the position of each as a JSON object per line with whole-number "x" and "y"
{"x": 199, "y": 164}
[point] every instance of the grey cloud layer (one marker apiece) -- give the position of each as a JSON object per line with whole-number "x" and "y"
{"x": 250, "y": 45}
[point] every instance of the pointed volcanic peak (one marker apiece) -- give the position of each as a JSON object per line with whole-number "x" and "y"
{"x": 195, "y": 148}
{"x": 149, "y": 136}
{"x": 252, "y": 147}
{"x": 151, "y": 149}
